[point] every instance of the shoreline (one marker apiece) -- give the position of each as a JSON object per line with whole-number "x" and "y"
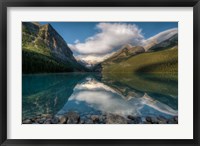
{"x": 103, "y": 118}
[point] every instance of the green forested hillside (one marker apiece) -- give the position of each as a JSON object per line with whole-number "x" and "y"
{"x": 34, "y": 62}
{"x": 164, "y": 61}
{"x": 44, "y": 50}
{"x": 150, "y": 71}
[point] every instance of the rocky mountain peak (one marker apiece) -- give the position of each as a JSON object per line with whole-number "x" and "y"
{"x": 30, "y": 28}
{"x": 54, "y": 41}
{"x": 48, "y": 27}
{"x": 125, "y": 52}
{"x": 45, "y": 40}
{"x": 168, "y": 43}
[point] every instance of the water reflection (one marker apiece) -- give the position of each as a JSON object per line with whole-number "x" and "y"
{"x": 47, "y": 93}
{"x": 94, "y": 96}
{"x": 88, "y": 94}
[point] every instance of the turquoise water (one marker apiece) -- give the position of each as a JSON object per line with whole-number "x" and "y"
{"x": 87, "y": 93}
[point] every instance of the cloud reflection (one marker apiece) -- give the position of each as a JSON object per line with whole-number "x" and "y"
{"x": 94, "y": 95}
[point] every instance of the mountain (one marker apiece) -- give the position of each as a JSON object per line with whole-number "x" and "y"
{"x": 160, "y": 57}
{"x": 160, "y": 60}
{"x": 164, "y": 61}
{"x": 160, "y": 37}
{"x": 87, "y": 64}
{"x": 172, "y": 41}
{"x": 125, "y": 52}
{"x": 155, "y": 71}
{"x": 44, "y": 50}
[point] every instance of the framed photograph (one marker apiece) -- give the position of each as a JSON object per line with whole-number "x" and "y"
{"x": 99, "y": 72}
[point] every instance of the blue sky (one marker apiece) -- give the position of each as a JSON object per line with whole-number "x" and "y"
{"x": 96, "y": 41}
{"x": 72, "y": 31}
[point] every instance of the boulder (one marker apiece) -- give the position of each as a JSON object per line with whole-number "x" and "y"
{"x": 62, "y": 119}
{"x": 162, "y": 120}
{"x": 152, "y": 120}
{"x": 95, "y": 118}
{"x": 176, "y": 119}
{"x": 134, "y": 120}
{"x": 115, "y": 119}
{"x": 82, "y": 121}
{"x": 27, "y": 121}
{"x": 73, "y": 118}
{"x": 48, "y": 121}
{"x": 55, "y": 120}
{"x": 88, "y": 121}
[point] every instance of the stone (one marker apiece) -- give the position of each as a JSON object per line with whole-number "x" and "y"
{"x": 47, "y": 122}
{"x": 41, "y": 121}
{"x": 82, "y": 121}
{"x": 73, "y": 118}
{"x": 130, "y": 121}
{"x": 115, "y": 119}
{"x": 95, "y": 118}
{"x": 104, "y": 114}
{"x": 27, "y": 121}
{"x": 148, "y": 119}
{"x": 137, "y": 120}
{"x": 62, "y": 119}
{"x": 172, "y": 121}
{"x": 134, "y": 120}
{"x": 145, "y": 122}
{"x": 88, "y": 121}
{"x": 161, "y": 120}
{"x": 176, "y": 119}
{"x": 55, "y": 120}
{"x": 37, "y": 120}
{"x": 43, "y": 118}
{"x": 131, "y": 117}
{"x": 33, "y": 119}
{"x": 102, "y": 119}
{"x": 154, "y": 120}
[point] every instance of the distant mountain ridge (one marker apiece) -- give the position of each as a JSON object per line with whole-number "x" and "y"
{"x": 172, "y": 41}
{"x": 160, "y": 57}
{"x": 160, "y": 37}
{"x": 160, "y": 41}
{"x": 44, "y": 50}
{"x": 125, "y": 52}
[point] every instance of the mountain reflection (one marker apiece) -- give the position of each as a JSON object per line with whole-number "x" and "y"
{"x": 89, "y": 94}
{"x": 92, "y": 96}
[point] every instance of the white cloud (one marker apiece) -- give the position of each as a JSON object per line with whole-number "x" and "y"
{"x": 110, "y": 37}
{"x": 113, "y": 36}
{"x": 159, "y": 37}
{"x": 105, "y": 99}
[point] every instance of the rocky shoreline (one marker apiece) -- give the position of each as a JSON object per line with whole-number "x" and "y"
{"x": 107, "y": 118}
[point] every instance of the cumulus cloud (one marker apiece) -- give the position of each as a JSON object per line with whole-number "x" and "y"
{"x": 110, "y": 37}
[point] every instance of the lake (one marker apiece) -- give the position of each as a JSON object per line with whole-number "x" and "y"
{"x": 95, "y": 98}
